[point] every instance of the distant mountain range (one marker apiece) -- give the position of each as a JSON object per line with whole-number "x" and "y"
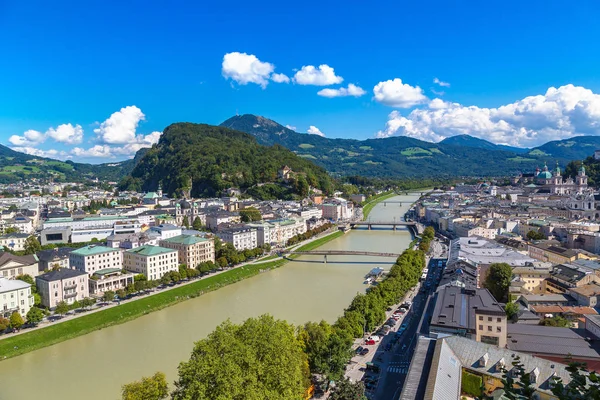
{"x": 19, "y": 167}
{"x": 401, "y": 156}
{"x": 398, "y": 156}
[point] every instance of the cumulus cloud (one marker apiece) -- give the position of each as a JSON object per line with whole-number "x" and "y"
{"x": 324, "y": 75}
{"x": 66, "y": 133}
{"x": 394, "y": 93}
{"x": 441, "y": 83}
{"x": 351, "y": 90}
{"x": 29, "y": 138}
{"x": 129, "y": 149}
{"x": 313, "y": 130}
{"x": 120, "y": 127}
{"x": 291, "y": 127}
{"x": 280, "y": 78}
{"x": 52, "y": 153}
{"x": 560, "y": 113}
{"x": 99, "y": 150}
{"x": 246, "y": 68}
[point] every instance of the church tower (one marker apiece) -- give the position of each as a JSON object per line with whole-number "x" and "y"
{"x": 581, "y": 178}
{"x": 159, "y": 191}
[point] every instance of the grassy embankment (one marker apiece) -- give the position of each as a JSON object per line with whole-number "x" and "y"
{"x": 374, "y": 200}
{"x": 37, "y": 339}
{"x": 47, "y": 336}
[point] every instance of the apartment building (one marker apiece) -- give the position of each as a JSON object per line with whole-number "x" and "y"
{"x": 242, "y": 237}
{"x": 15, "y": 295}
{"x": 94, "y": 258}
{"x": 109, "y": 279}
{"x": 68, "y": 285}
{"x": 12, "y": 266}
{"x": 192, "y": 250}
{"x": 151, "y": 261}
{"x": 13, "y": 241}
{"x": 59, "y": 256}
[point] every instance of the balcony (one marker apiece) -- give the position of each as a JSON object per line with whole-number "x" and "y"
{"x": 70, "y": 287}
{"x": 69, "y": 295}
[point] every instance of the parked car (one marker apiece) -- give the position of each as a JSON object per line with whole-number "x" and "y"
{"x": 370, "y": 342}
{"x": 390, "y": 322}
{"x": 364, "y": 351}
{"x": 359, "y": 349}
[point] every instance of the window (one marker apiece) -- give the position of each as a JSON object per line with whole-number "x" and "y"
{"x": 480, "y": 327}
{"x": 499, "y": 320}
{"x": 489, "y": 319}
{"x": 489, "y": 328}
{"x": 498, "y": 329}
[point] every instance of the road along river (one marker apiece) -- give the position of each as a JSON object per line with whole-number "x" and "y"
{"x": 94, "y": 366}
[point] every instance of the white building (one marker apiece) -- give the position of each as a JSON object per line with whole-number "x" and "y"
{"x": 167, "y": 231}
{"x": 14, "y": 241}
{"x": 336, "y": 209}
{"x": 242, "y": 238}
{"x": 15, "y": 295}
{"x": 151, "y": 261}
{"x": 95, "y": 258}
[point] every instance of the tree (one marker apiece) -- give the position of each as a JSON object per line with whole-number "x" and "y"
{"x": 535, "y": 235}
{"x": 260, "y": 359}
{"x": 347, "y": 390}
{"x": 130, "y": 289}
{"x": 11, "y": 229}
{"x": 149, "y": 388}
{"x": 166, "y": 279}
{"x": 197, "y": 224}
{"x": 32, "y": 245}
{"x": 498, "y": 280}
{"x": 87, "y": 302}
{"x": 34, "y": 316}
{"x": 108, "y": 296}
{"x": 140, "y": 286}
{"x": 4, "y": 324}
{"x": 250, "y": 214}
{"x": 222, "y": 261}
{"x": 122, "y": 294}
{"x": 511, "y": 309}
{"x": 584, "y": 384}
{"x": 186, "y": 222}
{"x": 556, "y": 320}
{"x": 16, "y": 321}
{"x": 183, "y": 271}
{"x": 61, "y": 308}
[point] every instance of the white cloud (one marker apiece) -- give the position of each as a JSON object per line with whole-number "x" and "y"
{"x": 441, "y": 83}
{"x": 438, "y": 92}
{"x": 99, "y": 150}
{"x": 322, "y": 76}
{"x": 120, "y": 127}
{"x": 280, "y": 78}
{"x": 52, "y": 153}
{"x": 291, "y": 127}
{"x": 394, "y": 93}
{"x": 66, "y": 133}
{"x": 351, "y": 90}
{"x": 560, "y": 113}
{"x": 29, "y": 138}
{"x": 246, "y": 68}
{"x": 129, "y": 149}
{"x": 313, "y": 130}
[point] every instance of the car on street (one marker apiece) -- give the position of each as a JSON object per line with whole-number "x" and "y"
{"x": 402, "y": 327}
{"x": 359, "y": 349}
{"x": 370, "y": 342}
{"x": 364, "y": 351}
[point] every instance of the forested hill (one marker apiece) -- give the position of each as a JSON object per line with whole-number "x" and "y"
{"x": 207, "y": 159}
{"x": 406, "y": 157}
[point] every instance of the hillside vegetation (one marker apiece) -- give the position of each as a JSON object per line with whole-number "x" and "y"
{"x": 204, "y": 160}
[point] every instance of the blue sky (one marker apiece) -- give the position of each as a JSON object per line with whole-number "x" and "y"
{"x": 94, "y": 81}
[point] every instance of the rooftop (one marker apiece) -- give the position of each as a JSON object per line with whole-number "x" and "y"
{"x": 60, "y": 274}
{"x": 93, "y": 250}
{"x": 148, "y": 250}
{"x": 549, "y": 340}
{"x": 8, "y": 285}
{"x": 185, "y": 239}
{"x": 107, "y": 271}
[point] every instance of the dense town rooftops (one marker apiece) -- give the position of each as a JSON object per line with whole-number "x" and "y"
{"x": 549, "y": 340}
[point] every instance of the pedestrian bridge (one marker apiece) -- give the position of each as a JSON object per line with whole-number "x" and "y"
{"x": 393, "y": 224}
{"x": 343, "y": 253}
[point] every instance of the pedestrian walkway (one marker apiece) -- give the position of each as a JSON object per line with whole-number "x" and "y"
{"x": 398, "y": 367}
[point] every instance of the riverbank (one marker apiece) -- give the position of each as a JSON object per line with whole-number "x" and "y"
{"x": 367, "y": 208}
{"x": 12, "y": 346}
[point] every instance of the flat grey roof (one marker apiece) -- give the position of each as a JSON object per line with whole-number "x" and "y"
{"x": 551, "y": 340}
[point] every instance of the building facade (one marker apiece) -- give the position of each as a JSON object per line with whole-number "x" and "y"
{"x": 63, "y": 284}
{"x": 242, "y": 238}
{"x": 151, "y": 261}
{"x": 95, "y": 258}
{"x": 192, "y": 250}
{"x": 15, "y": 295}
{"x": 109, "y": 279}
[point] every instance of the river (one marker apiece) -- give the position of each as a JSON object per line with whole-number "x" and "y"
{"x": 95, "y": 366}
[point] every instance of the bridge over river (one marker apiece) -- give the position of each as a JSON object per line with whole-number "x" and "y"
{"x": 326, "y": 253}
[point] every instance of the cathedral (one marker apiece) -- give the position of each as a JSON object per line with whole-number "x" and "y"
{"x": 554, "y": 183}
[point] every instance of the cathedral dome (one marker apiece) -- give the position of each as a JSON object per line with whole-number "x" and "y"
{"x": 185, "y": 204}
{"x": 544, "y": 175}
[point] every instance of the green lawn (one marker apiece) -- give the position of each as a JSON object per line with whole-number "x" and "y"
{"x": 373, "y": 202}
{"x": 415, "y": 151}
{"x": 521, "y": 159}
{"x": 537, "y": 152}
{"x": 321, "y": 241}
{"x": 306, "y": 146}
{"x": 307, "y": 156}
{"x": 366, "y": 148}
{"x": 26, "y": 342}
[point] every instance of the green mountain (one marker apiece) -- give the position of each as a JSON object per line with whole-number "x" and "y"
{"x": 203, "y": 160}
{"x": 576, "y": 148}
{"x": 17, "y": 167}
{"x": 402, "y": 156}
{"x": 471, "y": 141}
